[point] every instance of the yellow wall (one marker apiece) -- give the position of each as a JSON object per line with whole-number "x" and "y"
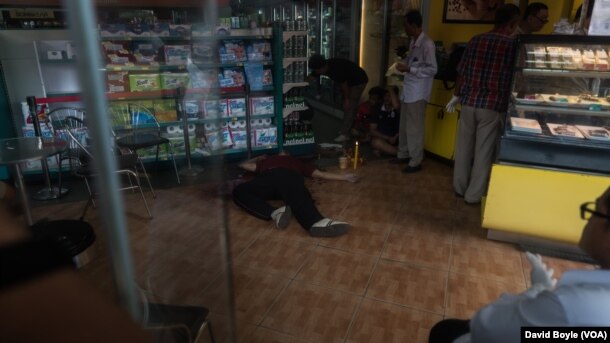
{"x": 451, "y": 33}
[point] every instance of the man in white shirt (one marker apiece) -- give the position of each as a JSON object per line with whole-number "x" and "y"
{"x": 419, "y": 67}
{"x": 580, "y": 298}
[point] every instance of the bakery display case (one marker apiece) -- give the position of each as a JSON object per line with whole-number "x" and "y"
{"x": 554, "y": 151}
{"x": 559, "y": 114}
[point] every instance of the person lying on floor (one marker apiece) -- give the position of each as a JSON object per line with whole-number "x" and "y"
{"x": 281, "y": 177}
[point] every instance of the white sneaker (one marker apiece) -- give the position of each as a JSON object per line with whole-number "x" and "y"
{"x": 281, "y": 217}
{"x": 341, "y": 138}
{"x": 328, "y": 228}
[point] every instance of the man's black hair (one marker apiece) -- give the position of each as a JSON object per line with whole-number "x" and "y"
{"x": 316, "y": 62}
{"x": 506, "y": 14}
{"x": 533, "y": 9}
{"x": 377, "y": 91}
{"x": 414, "y": 17}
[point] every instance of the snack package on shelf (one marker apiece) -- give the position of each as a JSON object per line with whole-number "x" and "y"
{"x": 564, "y": 130}
{"x": 174, "y": 80}
{"x": 137, "y": 30}
{"x": 146, "y": 53}
{"x": 144, "y": 82}
{"x": 525, "y": 125}
{"x": 117, "y": 53}
{"x": 192, "y": 108}
{"x": 267, "y": 77}
{"x": 177, "y": 54}
{"x": 259, "y": 50}
{"x": 588, "y": 60}
{"x": 181, "y": 30}
{"x": 232, "y": 50}
{"x": 240, "y": 138}
{"x": 117, "y": 81}
{"x": 112, "y": 30}
{"x": 159, "y": 29}
{"x": 205, "y": 51}
{"x": 595, "y": 132}
{"x": 165, "y": 110}
{"x": 205, "y": 78}
{"x": 265, "y": 136}
{"x": 232, "y": 77}
{"x": 601, "y": 60}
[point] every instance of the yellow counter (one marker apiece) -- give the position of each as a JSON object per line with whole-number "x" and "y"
{"x": 441, "y": 130}
{"x": 538, "y": 202}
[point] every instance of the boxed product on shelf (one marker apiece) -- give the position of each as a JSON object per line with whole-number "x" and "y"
{"x": 215, "y": 108}
{"x": 180, "y": 147}
{"x": 259, "y": 50}
{"x": 262, "y": 105}
{"x": 28, "y": 131}
{"x": 146, "y": 53}
{"x": 144, "y": 82}
{"x": 112, "y": 30}
{"x": 191, "y": 108}
{"x": 232, "y": 77}
{"x": 159, "y": 29}
{"x": 237, "y": 107}
{"x": 202, "y": 30}
{"x": 117, "y": 53}
{"x": 267, "y": 77}
{"x": 165, "y": 110}
{"x": 232, "y": 50}
{"x": 205, "y": 51}
{"x": 588, "y": 60}
{"x": 180, "y": 30}
{"x": 206, "y": 78}
{"x": 176, "y": 54}
{"x": 212, "y": 140}
{"x": 174, "y": 80}
{"x": 265, "y": 136}
{"x": 117, "y": 81}
{"x": 240, "y": 138}
{"x": 137, "y": 30}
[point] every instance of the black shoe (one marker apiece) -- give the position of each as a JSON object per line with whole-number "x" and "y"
{"x": 399, "y": 160}
{"x": 412, "y": 169}
{"x": 475, "y": 203}
{"x": 458, "y": 195}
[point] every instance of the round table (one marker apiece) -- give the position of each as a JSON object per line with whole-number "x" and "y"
{"x": 14, "y": 151}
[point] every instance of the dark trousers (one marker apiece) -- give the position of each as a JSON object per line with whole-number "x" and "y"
{"x": 446, "y": 331}
{"x": 277, "y": 184}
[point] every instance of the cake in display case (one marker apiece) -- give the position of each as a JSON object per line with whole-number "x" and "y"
{"x": 559, "y": 113}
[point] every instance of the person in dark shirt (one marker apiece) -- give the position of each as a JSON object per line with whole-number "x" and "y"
{"x": 351, "y": 79}
{"x": 385, "y": 122}
{"x": 281, "y": 177}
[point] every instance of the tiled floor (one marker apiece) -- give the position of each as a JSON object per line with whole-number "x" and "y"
{"x": 415, "y": 254}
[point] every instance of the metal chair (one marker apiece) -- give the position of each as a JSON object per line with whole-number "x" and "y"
{"x": 56, "y": 120}
{"x": 126, "y": 165}
{"x": 139, "y": 130}
{"x": 174, "y": 323}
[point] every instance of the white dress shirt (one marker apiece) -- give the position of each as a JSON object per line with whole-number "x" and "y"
{"x": 581, "y": 298}
{"x": 422, "y": 61}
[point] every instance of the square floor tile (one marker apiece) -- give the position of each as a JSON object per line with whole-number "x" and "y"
{"x": 379, "y": 212}
{"x": 253, "y": 294}
{"x": 489, "y": 262}
{"x": 362, "y": 237}
{"x": 264, "y": 335}
{"x": 467, "y": 294}
{"x": 379, "y": 322}
{"x": 419, "y": 248}
{"x": 312, "y": 313}
{"x": 273, "y": 255}
{"x": 338, "y": 269}
{"x": 411, "y": 286}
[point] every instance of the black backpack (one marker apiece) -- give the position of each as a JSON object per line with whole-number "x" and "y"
{"x": 448, "y": 71}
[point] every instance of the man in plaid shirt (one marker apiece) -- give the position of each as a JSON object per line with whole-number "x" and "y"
{"x": 483, "y": 87}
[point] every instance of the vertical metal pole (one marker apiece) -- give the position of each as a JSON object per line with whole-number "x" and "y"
{"x": 82, "y": 19}
{"x": 385, "y": 42}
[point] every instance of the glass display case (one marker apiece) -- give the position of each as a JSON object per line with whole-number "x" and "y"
{"x": 559, "y": 112}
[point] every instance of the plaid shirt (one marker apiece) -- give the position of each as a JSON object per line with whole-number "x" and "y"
{"x": 486, "y": 68}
